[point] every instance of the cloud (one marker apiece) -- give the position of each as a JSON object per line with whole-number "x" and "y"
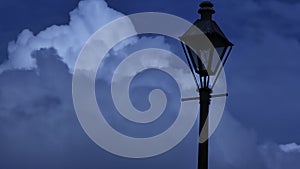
{"x": 39, "y": 128}
{"x": 292, "y": 147}
{"x": 68, "y": 40}
{"x": 236, "y": 146}
{"x": 36, "y": 112}
{"x": 276, "y": 158}
{"x": 89, "y": 16}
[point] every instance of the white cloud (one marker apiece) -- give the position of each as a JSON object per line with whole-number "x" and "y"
{"x": 88, "y": 17}
{"x": 68, "y": 40}
{"x": 292, "y": 147}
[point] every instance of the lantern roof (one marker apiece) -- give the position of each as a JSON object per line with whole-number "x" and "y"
{"x": 208, "y": 27}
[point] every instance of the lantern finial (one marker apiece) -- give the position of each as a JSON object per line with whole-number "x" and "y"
{"x": 206, "y": 10}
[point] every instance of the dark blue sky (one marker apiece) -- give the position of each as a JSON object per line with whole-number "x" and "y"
{"x": 38, "y": 123}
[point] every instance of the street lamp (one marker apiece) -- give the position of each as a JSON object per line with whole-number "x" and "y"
{"x": 205, "y": 59}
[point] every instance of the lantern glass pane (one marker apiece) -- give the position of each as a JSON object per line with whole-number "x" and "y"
{"x": 217, "y": 57}
{"x": 205, "y": 57}
{"x": 196, "y": 60}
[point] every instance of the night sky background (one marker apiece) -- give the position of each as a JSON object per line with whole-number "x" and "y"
{"x": 39, "y": 43}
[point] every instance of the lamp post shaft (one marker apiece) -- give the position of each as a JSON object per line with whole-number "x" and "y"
{"x": 205, "y": 95}
{"x": 194, "y": 46}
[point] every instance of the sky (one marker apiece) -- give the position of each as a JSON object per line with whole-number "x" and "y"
{"x": 39, "y": 45}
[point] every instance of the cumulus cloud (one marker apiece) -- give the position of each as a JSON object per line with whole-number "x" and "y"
{"x": 89, "y": 16}
{"x": 68, "y": 40}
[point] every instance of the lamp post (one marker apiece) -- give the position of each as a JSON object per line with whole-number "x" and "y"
{"x": 205, "y": 60}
